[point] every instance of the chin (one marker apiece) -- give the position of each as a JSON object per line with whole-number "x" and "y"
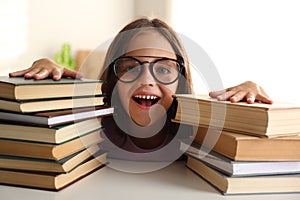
{"x": 150, "y": 117}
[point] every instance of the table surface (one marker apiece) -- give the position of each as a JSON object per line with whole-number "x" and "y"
{"x": 173, "y": 182}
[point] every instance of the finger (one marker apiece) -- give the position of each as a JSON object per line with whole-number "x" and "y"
{"x": 31, "y": 72}
{"x": 250, "y": 98}
{"x": 264, "y": 99}
{"x": 214, "y": 94}
{"x": 238, "y": 96}
{"x": 18, "y": 73}
{"x": 227, "y": 95}
{"x": 56, "y": 74}
{"x": 42, "y": 74}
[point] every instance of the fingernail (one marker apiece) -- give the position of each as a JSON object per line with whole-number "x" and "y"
{"x": 56, "y": 78}
{"x": 250, "y": 100}
{"x": 233, "y": 99}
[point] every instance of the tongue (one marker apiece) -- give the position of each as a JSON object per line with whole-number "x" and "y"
{"x": 146, "y": 103}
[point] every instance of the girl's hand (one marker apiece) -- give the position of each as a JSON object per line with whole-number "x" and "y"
{"x": 44, "y": 68}
{"x": 247, "y": 91}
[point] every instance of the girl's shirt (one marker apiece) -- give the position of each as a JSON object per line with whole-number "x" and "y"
{"x": 119, "y": 145}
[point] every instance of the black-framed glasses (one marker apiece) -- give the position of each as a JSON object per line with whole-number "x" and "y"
{"x": 164, "y": 70}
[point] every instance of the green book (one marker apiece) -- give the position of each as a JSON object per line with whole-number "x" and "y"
{"x": 19, "y": 88}
{"x": 51, "y": 181}
{"x": 50, "y": 166}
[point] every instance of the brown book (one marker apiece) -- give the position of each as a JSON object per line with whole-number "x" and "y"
{"x": 56, "y": 117}
{"x": 43, "y": 165}
{"x": 19, "y": 88}
{"x": 260, "y": 119}
{"x": 39, "y": 105}
{"x": 51, "y": 181}
{"x": 49, "y": 151}
{"x": 54, "y": 135}
{"x": 245, "y": 185}
{"x": 242, "y": 147}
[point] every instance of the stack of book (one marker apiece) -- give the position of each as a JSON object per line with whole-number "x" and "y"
{"x": 50, "y": 131}
{"x": 242, "y": 148}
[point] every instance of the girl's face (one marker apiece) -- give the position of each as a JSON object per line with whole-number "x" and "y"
{"x": 145, "y": 100}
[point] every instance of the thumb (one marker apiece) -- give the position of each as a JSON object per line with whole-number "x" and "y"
{"x": 73, "y": 74}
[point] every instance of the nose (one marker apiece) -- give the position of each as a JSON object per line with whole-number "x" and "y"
{"x": 146, "y": 77}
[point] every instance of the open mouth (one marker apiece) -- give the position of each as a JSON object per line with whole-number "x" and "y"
{"x": 146, "y": 100}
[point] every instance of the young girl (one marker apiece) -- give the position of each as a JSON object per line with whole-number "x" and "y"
{"x": 144, "y": 66}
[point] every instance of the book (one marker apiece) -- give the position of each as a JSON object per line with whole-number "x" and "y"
{"x": 239, "y": 168}
{"x": 19, "y": 88}
{"x": 51, "y": 181}
{"x": 245, "y": 185}
{"x": 241, "y": 147}
{"x": 56, "y": 117}
{"x": 44, "y": 165}
{"x": 26, "y": 106}
{"x": 268, "y": 120}
{"x": 49, "y": 151}
{"x": 54, "y": 135}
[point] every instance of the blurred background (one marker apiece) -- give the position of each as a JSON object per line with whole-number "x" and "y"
{"x": 254, "y": 40}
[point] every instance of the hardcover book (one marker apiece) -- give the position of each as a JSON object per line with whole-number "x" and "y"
{"x": 49, "y": 151}
{"x": 44, "y": 165}
{"x": 242, "y": 147}
{"x": 239, "y": 168}
{"x": 51, "y": 181}
{"x": 56, "y": 117}
{"x": 19, "y": 88}
{"x": 268, "y": 120}
{"x": 26, "y": 106}
{"x": 54, "y": 135}
{"x": 288, "y": 183}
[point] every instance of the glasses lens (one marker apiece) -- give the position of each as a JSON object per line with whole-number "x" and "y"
{"x": 127, "y": 69}
{"x": 166, "y": 71}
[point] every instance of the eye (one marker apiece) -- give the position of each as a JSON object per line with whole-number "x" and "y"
{"x": 162, "y": 69}
{"x": 131, "y": 69}
{"x": 126, "y": 65}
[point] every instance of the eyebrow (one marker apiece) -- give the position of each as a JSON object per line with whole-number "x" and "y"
{"x": 152, "y": 57}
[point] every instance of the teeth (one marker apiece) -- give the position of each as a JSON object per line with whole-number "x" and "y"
{"x": 145, "y": 97}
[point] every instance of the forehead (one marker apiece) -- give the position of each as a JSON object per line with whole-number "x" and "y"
{"x": 150, "y": 43}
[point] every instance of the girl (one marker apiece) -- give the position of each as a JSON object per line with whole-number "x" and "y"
{"x": 144, "y": 66}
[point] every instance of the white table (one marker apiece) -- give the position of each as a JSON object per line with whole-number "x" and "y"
{"x": 173, "y": 182}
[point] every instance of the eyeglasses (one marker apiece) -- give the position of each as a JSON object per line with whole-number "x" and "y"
{"x": 164, "y": 70}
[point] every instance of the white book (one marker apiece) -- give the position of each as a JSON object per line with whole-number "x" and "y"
{"x": 239, "y": 168}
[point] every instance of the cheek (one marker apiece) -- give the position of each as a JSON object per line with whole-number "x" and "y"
{"x": 124, "y": 95}
{"x": 173, "y": 87}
